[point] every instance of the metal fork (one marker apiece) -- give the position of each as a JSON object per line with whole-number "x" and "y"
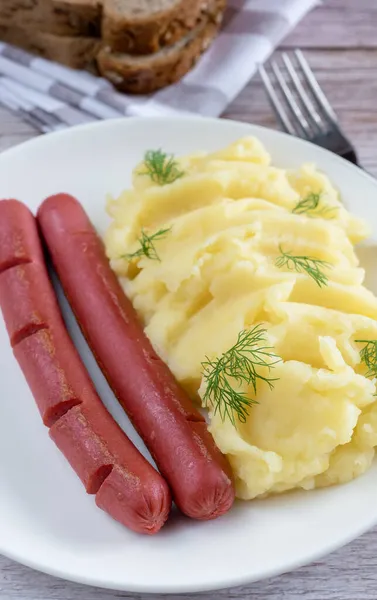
{"x": 304, "y": 109}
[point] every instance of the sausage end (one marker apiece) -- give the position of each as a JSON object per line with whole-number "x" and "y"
{"x": 142, "y": 509}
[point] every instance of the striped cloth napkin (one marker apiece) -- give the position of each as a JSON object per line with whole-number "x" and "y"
{"x": 251, "y": 31}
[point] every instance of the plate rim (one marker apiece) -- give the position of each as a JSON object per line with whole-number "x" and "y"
{"x": 227, "y": 581}
{"x": 186, "y": 588}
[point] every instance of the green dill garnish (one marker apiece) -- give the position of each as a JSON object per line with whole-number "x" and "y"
{"x": 238, "y": 365}
{"x": 368, "y": 355}
{"x": 304, "y": 264}
{"x": 147, "y": 247}
{"x": 160, "y": 167}
{"x": 311, "y": 206}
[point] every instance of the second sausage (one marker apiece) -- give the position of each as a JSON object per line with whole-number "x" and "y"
{"x": 172, "y": 428}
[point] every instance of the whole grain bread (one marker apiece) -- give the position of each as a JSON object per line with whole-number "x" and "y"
{"x": 130, "y": 26}
{"x": 75, "y": 52}
{"x": 57, "y": 17}
{"x": 69, "y": 32}
{"x": 82, "y": 15}
{"x": 87, "y": 13}
{"x": 145, "y": 74}
{"x": 147, "y": 26}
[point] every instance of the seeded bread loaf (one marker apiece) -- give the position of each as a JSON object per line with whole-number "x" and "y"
{"x": 147, "y": 26}
{"x": 145, "y": 74}
{"x": 75, "y": 52}
{"x": 58, "y": 17}
{"x": 88, "y": 12}
{"x": 130, "y": 26}
{"x": 176, "y": 32}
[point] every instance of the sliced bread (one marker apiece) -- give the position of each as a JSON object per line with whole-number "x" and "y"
{"x": 75, "y": 52}
{"x": 83, "y": 13}
{"x": 145, "y": 74}
{"x": 57, "y": 17}
{"x": 147, "y": 26}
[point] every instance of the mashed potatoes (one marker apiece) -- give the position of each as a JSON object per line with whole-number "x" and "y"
{"x": 214, "y": 274}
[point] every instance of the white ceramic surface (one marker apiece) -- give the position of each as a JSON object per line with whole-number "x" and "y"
{"x": 46, "y": 519}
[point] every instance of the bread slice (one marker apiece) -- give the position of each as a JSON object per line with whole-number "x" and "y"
{"x": 58, "y": 17}
{"x": 145, "y": 74}
{"x": 85, "y": 15}
{"x": 146, "y": 26}
{"x": 75, "y": 52}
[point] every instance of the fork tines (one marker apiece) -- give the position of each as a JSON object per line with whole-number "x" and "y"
{"x": 300, "y": 104}
{"x": 300, "y": 93}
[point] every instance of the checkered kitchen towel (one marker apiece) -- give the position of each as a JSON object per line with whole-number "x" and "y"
{"x": 251, "y": 31}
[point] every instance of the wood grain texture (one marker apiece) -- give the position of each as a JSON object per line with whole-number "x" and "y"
{"x": 338, "y": 24}
{"x": 349, "y": 80}
{"x": 341, "y": 43}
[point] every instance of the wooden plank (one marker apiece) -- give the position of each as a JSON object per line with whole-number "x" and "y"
{"x": 337, "y": 24}
{"x": 363, "y": 62}
{"x": 349, "y": 80}
{"x": 350, "y": 5}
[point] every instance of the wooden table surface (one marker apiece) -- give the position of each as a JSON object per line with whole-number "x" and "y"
{"x": 340, "y": 40}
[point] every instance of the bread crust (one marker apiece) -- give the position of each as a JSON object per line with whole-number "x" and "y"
{"x": 147, "y": 35}
{"x": 75, "y": 52}
{"x": 68, "y": 31}
{"x": 56, "y": 17}
{"x": 143, "y": 75}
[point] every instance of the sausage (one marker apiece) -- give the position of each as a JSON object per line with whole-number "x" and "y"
{"x": 172, "y": 428}
{"x": 126, "y": 486}
{"x": 35, "y": 306}
{"x": 20, "y": 243}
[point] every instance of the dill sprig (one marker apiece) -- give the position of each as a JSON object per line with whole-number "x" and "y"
{"x": 239, "y": 364}
{"x": 162, "y": 168}
{"x": 304, "y": 264}
{"x": 368, "y": 355}
{"x": 310, "y": 206}
{"x": 147, "y": 247}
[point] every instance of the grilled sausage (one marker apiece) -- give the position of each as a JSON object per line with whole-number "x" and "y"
{"x": 108, "y": 464}
{"x": 172, "y": 428}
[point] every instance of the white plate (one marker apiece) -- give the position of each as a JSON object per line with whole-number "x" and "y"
{"x": 46, "y": 519}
